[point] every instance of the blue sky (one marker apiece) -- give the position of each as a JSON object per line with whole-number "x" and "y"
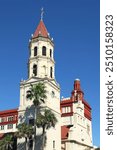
{"x": 74, "y": 25}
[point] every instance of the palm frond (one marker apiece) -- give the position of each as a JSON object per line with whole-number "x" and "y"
{"x": 24, "y": 130}
{"x": 37, "y": 93}
{"x": 46, "y": 120}
{"x": 7, "y": 140}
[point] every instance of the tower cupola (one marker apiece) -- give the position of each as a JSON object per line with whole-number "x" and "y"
{"x": 77, "y": 84}
{"x": 77, "y": 93}
{"x": 41, "y": 60}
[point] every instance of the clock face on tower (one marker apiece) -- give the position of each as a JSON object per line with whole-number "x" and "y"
{"x": 52, "y": 94}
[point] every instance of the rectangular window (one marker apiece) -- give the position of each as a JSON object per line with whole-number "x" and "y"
{"x": 2, "y": 127}
{"x": 9, "y": 126}
{"x": 3, "y": 119}
{"x": 10, "y": 118}
{"x": 66, "y": 109}
{"x": 63, "y": 109}
{"x": 53, "y": 144}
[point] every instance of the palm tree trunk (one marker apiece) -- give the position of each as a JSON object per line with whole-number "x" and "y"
{"x": 43, "y": 138}
{"x": 26, "y": 143}
{"x": 35, "y": 117}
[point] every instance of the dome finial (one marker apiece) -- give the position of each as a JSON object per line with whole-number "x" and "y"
{"x": 77, "y": 79}
{"x": 42, "y": 12}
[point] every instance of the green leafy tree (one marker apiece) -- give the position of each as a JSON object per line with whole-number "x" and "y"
{"x": 46, "y": 120}
{"x": 6, "y": 142}
{"x": 37, "y": 93}
{"x": 25, "y": 130}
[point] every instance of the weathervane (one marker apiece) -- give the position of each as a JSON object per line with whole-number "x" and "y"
{"x": 42, "y": 12}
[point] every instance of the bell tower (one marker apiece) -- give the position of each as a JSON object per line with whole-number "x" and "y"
{"x": 41, "y": 60}
{"x": 41, "y": 68}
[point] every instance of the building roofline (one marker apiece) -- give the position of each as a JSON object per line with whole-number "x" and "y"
{"x": 9, "y": 111}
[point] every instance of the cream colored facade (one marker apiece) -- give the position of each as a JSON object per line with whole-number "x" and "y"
{"x": 80, "y": 134}
{"x": 8, "y": 129}
{"x": 76, "y": 121}
{"x": 43, "y": 63}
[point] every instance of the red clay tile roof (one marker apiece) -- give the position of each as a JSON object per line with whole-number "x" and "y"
{"x": 64, "y": 101}
{"x": 8, "y": 111}
{"x": 41, "y": 30}
{"x": 64, "y": 132}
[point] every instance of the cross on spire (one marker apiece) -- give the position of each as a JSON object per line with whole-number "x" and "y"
{"x": 42, "y": 12}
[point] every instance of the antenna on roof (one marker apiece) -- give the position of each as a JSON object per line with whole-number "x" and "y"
{"x": 42, "y": 12}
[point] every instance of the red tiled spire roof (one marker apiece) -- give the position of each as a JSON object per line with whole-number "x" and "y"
{"x": 41, "y": 30}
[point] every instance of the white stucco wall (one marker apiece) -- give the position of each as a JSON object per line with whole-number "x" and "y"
{"x": 6, "y": 130}
{"x": 43, "y": 62}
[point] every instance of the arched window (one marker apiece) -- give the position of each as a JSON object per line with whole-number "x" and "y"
{"x": 51, "y": 70}
{"x": 35, "y": 70}
{"x": 35, "y": 51}
{"x": 50, "y": 53}
{"x": 44, "y": 51}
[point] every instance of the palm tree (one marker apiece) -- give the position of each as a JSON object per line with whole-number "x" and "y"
{"x": 6, "y": 142}
{"x": 46, "y": 120}
{"x": 37, "y": 93}
{"x": 1, "y": 144}
{"x": 25, "y": 130}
